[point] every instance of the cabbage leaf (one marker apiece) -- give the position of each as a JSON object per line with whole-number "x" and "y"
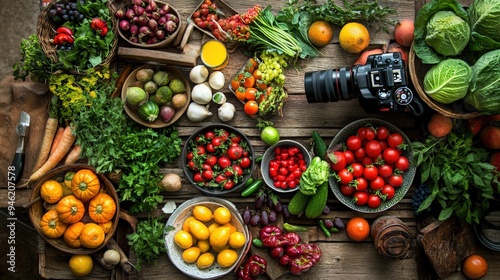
{"x": 484, "y": 20}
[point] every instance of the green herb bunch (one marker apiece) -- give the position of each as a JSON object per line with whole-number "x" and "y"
{"x": 458, "y": 174}
{"x": 147, "y": 242}
{"x": 111, "y": 141}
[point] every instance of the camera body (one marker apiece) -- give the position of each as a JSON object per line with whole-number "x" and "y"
{"x": 380, "y": 85}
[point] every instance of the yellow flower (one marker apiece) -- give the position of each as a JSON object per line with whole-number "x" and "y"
{"x": 93, "y": 94}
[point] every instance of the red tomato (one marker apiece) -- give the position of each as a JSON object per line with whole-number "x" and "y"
{"x": 210, "y": 148}
{"x": 248, "y": 80}
{"x": 370, "y": 172}
{"x": 396, "y": 180}
{"x": 238, "y": 171}
{"x": 349, "y": 156}
{"x": 212, "y": 160}
{"x": 189, "y": 156}
{"x": 216, "y": 141}
{"x": 347, "y": 190}
{"x": 388, "y": 191}
{"x": 373, "y": 148}
{"x": 360, "y": 153}
{"x": 209, "y": 135}
{"x": 402, "y": 163}
{"x": 377, "y": 183}
{"x": 235, "y": 152}
{"x": 224, "y": 162}
{"x": 394, "y": 140}
{"x": 220, "y": 178}
{"x": 360, "y": 198}
{"x": 191, "y": 165}
{"x": 367, "y": 161}
{"x": 353, "y": 142}
{"x": 223, "y": 134}
{"x": 245, "y": 162}
{"x": 357, "y": 169}
{"x": 197, "y": 177}
{"x": 337, "y": 160}
{"x": 370, "y": 133}
{"x": 207, "y": 174}
{"x": 390, "y": 155}
{"x": 385, "y": 171}
{"x": 229, "y": 184}
{"x": 235, "y": 138}
{"x": 345, "y": 176}
{"x": 361, "y": 133}
{"x": 382, "y": 133}
{"x": 200, "y": 150}
{"x": 374, "y": 201}
{"x": 360, "y": 184}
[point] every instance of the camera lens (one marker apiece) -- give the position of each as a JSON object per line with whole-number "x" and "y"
{"x": 329, "y": 85}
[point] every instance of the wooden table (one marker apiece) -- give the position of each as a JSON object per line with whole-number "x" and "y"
{"x": 342, "y": 258}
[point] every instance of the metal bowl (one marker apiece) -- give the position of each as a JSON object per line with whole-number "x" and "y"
{"x": 189, "y": 173}
{"x": 408, "y": 175}
{"x": 269, "y": 155}
{"x": 176, "y": 221}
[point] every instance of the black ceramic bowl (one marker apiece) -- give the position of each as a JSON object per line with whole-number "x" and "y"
{"x": 212, "y": 187}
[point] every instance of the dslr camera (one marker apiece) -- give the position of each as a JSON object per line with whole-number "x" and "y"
{"x": 380, "y": 85}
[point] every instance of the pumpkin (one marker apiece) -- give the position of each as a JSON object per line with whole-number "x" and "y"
{"x": 92, "y": 236}
{"x": 70, "y": 209}
{"x": 102, "y": 208}
{"x": 107, "y": 226}
{"x": 72, "y": 235}
{"x": 51, "y": 191}
{"x": 51, "y": 226}
{"x": 85, "y": 184}
{"x": 68, "y": 177}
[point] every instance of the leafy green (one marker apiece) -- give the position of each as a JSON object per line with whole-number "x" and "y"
{"x": 316, "y": 174}
{"x": 426, "y": 53}
{"x": 484, "y": 90}
{"x": 34, "y": 62}
{"x": 483, "y": 17}
{"x": 111, "y": 142}
{"x": 458, "y": 174}
{"x": 448, "y": 81}
{"x": 447, "y": 33}
{"x": 147, "y": 242}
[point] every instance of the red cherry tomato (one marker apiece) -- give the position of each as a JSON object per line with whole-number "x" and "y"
{"x": 385, "y": 171}
{"x": 373, "y": 148}
{"x": 374, "y": 201}
{"x": 353, "y": 142}
{"x": 382, "y": 133}
{"x": 349, "y": 156}
{"x": 357, "y": 169}
{"x": 396, "y": 180}
{"x": 390, "y": 155}
{"x": 370, "y": 172}
{"x": 345, "y": 176}
{"x": 402, "y": 163}
{"x": 360, "y": 184}
{"x": 347, "y": 190}
{"x": 377, "y": 184}
{"x": 394, "y": 140}
{"x": 360, "y": 198}
{"x": 338, "y": 160}
{"x": 388, "y": 191}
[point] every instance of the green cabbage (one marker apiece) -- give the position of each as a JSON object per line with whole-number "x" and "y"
{"x": 447, "y": 33}
{"x": 316, "y": 174}
{"x": 484, "y": 18}
{"x": 448, "y": 81}
{"x": 484, "y": 90}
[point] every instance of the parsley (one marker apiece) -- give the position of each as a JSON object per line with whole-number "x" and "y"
{"x": 458, "y": 174}
{"x": 147, "y": 242}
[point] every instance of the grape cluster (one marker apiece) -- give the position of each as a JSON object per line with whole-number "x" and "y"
{"x": 421, "y": 193}
{"x": 272, "y": 67}
{"x": 66, "y": 10}
{"x": 267, "y": 208}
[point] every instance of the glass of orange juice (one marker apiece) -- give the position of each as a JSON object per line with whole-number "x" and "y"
{"x": 214, "y": 54}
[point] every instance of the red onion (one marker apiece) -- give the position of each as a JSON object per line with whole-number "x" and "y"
{"x": 134, "y": 20}
{"x": 172, "y": 17}
{"x": 162, "y": 21}
{"x": 160, "y": 34}
{"x": 134, "y": 29}
{"x": 153, "y": 25}
{"x": 152, "y": 40}
{"x": 120, "y": 14}
{"x": 153, "y": 5}
{"x": 148, "y": 9}
{"x": 155, "y": 15}
{"x": 170, "y": 26}
{"x": 142, "y": 20}
{"x": 144, "y": 31}
{"x": 124, "y": 24}
{"x": 134, "y": 39}
{"x": 138, "y": 3}
{"x": 130, "y": 14}
{"x": 165, "y": 9}
{"x": 139, "y": 10}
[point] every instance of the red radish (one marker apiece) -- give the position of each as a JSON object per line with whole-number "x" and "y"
{"x": 403, "y": 32}
{"x": 364, "y": 55}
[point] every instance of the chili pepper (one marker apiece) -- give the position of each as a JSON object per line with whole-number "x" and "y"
{"x": 257, "y": 243}
{"x": 99, "y": 25}
{"x": 333, "y": 230}
{"x": 63, "y": 39}
{"x": 324, "y": 229}
{"x": 254, "y": 266}
{"x": 64, "y": 30}
{"x": 303, "y": 249}
{"x": 259, "y": 159}
{"x": 300, "y": 265}
{"x": 268, "y": 231}
{"x": 294, "y": 228}
{"x": 287, "y": 239}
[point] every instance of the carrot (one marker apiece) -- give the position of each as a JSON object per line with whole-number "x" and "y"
{"x": 62, "y": 149}
{"x": 50, "y": 131}
{"x": 57, "y": 138}
{"x": 73, "y": 155}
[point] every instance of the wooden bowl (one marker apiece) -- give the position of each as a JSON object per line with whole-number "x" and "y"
{"x": 174, "y": 73}
{"x": 458, "y": 109}
{"x": 37, "y": 210}
{"x": 162, "y": 44}
{"x": 176, "y": 220}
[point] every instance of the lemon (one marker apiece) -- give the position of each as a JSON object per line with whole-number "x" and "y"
{"x": 222, "y": 215}
{"x": 213, "y": 226}
{"x": 204, "y": 245}
{"x": 237, "y": 240}
{"x": 202, "y": 213}
{"x": 190, "y": 255}
{"x": 185, "y": 225}
{"x": 81, "y": 265}
{"x": 183, "y": 239}
{"x": 205, "y": 260}
{"x": 220, "y": 237}
{"x": 231, "y": 226}
{"x": 199, "y": 230}
{"x": 227, "y": 258}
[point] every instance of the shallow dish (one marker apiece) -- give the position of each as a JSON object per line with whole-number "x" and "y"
{"x": 408, "y": 175}
{"x": 173, "y": 74}
{"x": 176, "y": 221}
{"x": 37, "y": 210}
{"x": 216, "y": 190}
{"x": 269, "y": 155}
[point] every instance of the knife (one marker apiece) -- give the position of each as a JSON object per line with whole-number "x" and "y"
{"x": 22, "y": 130}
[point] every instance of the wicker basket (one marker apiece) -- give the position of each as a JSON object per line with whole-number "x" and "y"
{"x": 37, "y": 209}
{"x": 46, "y": 29}
{"x": 417, "y": 73}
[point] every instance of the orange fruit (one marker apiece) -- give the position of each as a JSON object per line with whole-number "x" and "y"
{"x": 354, "y": 37}
{"x": 320, "y": 33}
{"x": 80, "y": 265}
{"x": 474, "y": 267}
{"x": 358, "y": 229}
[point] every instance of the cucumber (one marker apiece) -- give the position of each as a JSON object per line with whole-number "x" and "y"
{"x": 319, "y": 145}
{"x": 317, "y": 203}
{"x": 298, "y": 203}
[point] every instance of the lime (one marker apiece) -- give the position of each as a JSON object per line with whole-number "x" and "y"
{"x": 270, "y": 135}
